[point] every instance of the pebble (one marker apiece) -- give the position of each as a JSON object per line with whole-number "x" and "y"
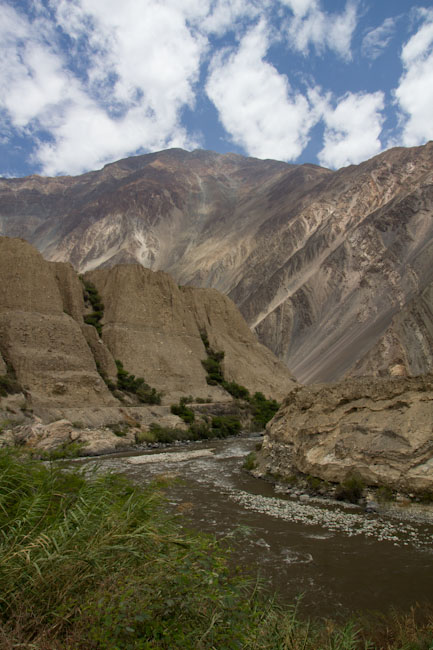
{"x": 335, "y": 520}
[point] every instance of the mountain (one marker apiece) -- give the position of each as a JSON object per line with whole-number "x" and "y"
{"x": 326, "y": 267}
{"x": 154, "y": 328}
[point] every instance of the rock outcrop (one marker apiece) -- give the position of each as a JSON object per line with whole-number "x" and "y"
{"x": 150, "y": 324}
{"x": 42, "y": 343}
{"x": 406, "y": 348}
{"x": 379, "y": 429}
{"x": 321, "y": 264}
{"x": 155, "y": 328}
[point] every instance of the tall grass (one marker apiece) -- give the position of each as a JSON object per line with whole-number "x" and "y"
{"x": 93, "y": 563}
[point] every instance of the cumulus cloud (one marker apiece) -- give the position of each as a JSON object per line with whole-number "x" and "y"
{"x": 415, "y": 90}
{"x": 313, "y": 27}
{"x": 143, "y": 61}
{"x": 256, "y": 104}
{"x": 227, "y": 15}
{"x": 352, "y": 129}
{"x": 377, "y": 40}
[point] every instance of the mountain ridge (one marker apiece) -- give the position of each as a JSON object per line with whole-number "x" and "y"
{"x": 319, "y": 262}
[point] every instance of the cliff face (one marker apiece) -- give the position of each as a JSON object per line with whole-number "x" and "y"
{"x": 39, "y": 340}
{"x": 406, "y": 347}
{"x": 380, "y": 429}
{"x": 319, "y": 263}
{"x": 155, "y": 328}
{"x": 150, "y": 324}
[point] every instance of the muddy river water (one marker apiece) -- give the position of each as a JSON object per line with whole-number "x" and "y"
{"x": 336, "y": 556}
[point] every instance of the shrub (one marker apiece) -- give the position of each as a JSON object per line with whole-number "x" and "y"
{"x": 119, "y": 429}
{"x": 214, "y": 372}
{"x": 351, "y": 489}
{"x": 225, "y": 425}
{"x": 168, "y": 434}
{"x": 250, "y": 462}
{"x": 132, "y": 384}
{"x": 65, "y": 450}
{"x": 384, "y": 494}
{"x": 200, "y": 431}
{"x": 91, "y": 295}
{"x": 9, "y": 385}
{"x": 144, "y": 436}
{"x": 236, "y": 390}
{"x": 263, "y": 409}
{"x": 181, "y": 410}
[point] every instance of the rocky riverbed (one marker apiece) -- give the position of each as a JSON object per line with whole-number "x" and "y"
{"x": 335, "y": 554}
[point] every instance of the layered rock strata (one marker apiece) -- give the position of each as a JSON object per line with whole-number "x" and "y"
{"x": 40, "y": 341}
{"x": 150, "y": 324}
{"x": 381, "y": 430}
{"x": 321, "y": 264}
{"x": 156, "y": 329}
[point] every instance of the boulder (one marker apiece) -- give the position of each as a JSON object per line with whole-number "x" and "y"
{"x": 380, "y": 429}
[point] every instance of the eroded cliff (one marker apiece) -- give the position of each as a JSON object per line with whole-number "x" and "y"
{"x": 321, "y": 264}
{"x": 378, "y": 429}
{"x": 154, "y": 327}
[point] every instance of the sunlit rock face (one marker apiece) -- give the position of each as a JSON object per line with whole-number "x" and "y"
{"x": 379, "y": 429}
{"x": 331, "y": 269}
{"x": 150, "y": 324}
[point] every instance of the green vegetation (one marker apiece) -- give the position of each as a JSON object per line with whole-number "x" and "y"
{"x": 65, "y": 450}
{"x": 351, "y": 489}
{"x": 168, "y": 434}
{"x": 136, "y": 385}
{"x": 261, "y": 408}
{"x": 385, "y": 494}
{"x": 8, "y": 383}
{"x": 224, "y": 426}
{"x": 220, "y": 427}
{"x": 120, "y": 429}
{"x": 424, "y": 497}
{"x": 182, "y": 411}
{"x": 96, "y": 564}
{"x": 92, "y": 296}
{"x": 250, "y": 461}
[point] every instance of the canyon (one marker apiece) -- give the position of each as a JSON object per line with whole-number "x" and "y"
{"x": 331, "y": 270}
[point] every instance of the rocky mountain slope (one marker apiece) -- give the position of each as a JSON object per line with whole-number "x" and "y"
{"x": 327, "y": 267}
{"x": 151, "y": 325}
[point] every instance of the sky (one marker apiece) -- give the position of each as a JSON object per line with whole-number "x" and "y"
{"x": 330, "y": 82}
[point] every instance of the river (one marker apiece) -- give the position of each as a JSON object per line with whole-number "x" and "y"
{"x": 336, "y": 556}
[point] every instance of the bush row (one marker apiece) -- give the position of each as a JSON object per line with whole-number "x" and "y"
{"x": 262, "y": 409}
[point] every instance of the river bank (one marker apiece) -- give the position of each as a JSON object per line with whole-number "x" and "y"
{"x": 97, "y": 564}
{"x": 317, "y": 548}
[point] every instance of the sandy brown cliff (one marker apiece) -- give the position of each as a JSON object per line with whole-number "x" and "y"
{"x": 319, "y": 263}
{"x": 39, "y": 337}
{"x": 378, "y": 429}
{"x": 156, "y": 328}
{"x": 150, "y": 324}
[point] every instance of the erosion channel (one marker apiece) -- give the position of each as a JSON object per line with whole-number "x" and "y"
{"x": 335, "y": 555}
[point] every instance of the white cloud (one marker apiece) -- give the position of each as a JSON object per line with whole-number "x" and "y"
{"x": 226, "y": 15}
{"x": 256, "y": 104}
{"x": 301, "y": 7}
{"x": 415, "y": 91}
{"x": 352, "y": 129}
{"x": 312, "y": 26}
{"x": 378, "y": 39}
{"x": 141, "y": 63}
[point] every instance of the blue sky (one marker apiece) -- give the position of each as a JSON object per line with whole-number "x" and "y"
{"x": 333, "y": 82}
